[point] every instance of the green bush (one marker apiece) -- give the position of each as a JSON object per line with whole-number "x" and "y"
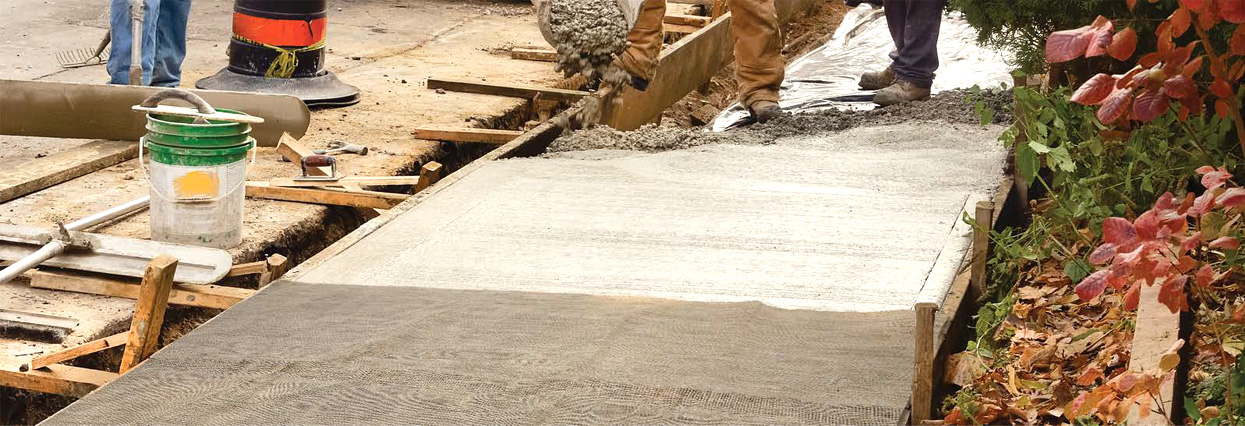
{"x": 1021, "y": 26}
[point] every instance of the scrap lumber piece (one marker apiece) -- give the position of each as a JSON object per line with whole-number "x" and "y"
{"x": 692, "y": 20}
{"x": 42, "y": 173}
{"x": 465, "y": 134}
{"x": 680, "y": 28}
{"x": 325, "y": 196}
{"x": 428, "y": 176}
{"x": 346, "y": 181}
{"x": 276, "y": 267}
{"x": 249, "y": 268}
{"x": 45, "y": 360}
{"x": 197, "y": 295}
{"x": 923, "y": 369}
{"x": 35, "y": 326}
{"x": 58, "y": 379}
{"x": 153, "y": 300}
{"x": 508, "y": 90}
{"x": 1156, "y": 331}
{"x": 541, "y": 55}
{"x": 295, "y": 152}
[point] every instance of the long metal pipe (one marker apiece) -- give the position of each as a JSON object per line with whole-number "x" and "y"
{"x": 55, "y": 247}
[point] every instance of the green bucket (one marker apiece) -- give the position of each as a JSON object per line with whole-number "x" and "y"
{"x": 182, "y": 132}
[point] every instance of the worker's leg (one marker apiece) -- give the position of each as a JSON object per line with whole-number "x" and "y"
{"x": 758, "y": 50}
{"x": 640, "y": 58}
{"x": 119, "y": 57}
{"x": 170, "y": 43}
{"x": 914, "y": 25}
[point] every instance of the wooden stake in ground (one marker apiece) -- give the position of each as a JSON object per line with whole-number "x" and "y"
{"x": 981, "y": 246}
{"x": 428, "y": 176}
{"x": 153, "y": 299}
{"x": 923, "y": 368}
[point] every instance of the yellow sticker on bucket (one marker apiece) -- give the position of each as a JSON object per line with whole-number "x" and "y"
{"x": 197, "y": 184}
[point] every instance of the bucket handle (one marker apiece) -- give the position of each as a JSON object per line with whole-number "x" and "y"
{"x": 198, "y": 102}
{"x": 142, "y": 166}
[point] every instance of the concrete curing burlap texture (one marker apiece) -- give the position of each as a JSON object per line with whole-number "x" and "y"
{"x": 718, "y": 284}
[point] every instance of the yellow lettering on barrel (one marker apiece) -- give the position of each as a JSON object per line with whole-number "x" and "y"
{"x": 197, "y": 184}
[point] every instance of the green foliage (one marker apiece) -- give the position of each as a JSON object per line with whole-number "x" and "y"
{"x": 1213, "y": 392}
{"x": 1020, "y": 27}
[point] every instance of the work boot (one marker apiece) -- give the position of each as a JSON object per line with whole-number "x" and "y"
{"x": 763, "y": 111}
{"x": 900, "y": 92}
{"x": 874, "y": 80}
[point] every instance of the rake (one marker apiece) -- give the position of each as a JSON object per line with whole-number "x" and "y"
{"x": 78, "y": 58}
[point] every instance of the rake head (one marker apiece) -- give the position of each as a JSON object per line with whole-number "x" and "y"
{"x": 81, "y": 58}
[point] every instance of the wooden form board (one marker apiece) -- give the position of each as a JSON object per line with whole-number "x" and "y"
{"x": 465, "y": 134}
{"x": 198, "y": 295}
{"x": 153, "y": 301}
{"x": 42, "y": 173}
{"x": 67, "y": 354}
{"x": 542, "y": 55}
{"x": 684, "y": 67}
{"x": 697, "y": 21}
{"x": 347, "y": 181}
{"x": 508, "y": 90}
{"x": 58, "y": 379}
{"x": 325, "y": 196}
{"x": 1156, "y": 330}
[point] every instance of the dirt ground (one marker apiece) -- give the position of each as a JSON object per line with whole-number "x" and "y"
{"x": 387, "y": 48}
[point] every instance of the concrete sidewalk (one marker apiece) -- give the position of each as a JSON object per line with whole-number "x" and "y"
{"x": 720, "y": 284}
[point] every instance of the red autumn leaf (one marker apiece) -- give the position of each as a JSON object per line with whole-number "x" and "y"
{"x": 1213, "y": 178}
{"x": 1231, "y": 198}
{"x": 1099, "y": 39}
{"x": 1094, "y": 91}
{"x": 1093, "y": 285}
{"x": 1150, "y": 59}
{"x": 1221, "y": 109}
{"x": 1132, "y": 4}
{"x": 1238, "y": 314}
{"x": 1179, "y": 87}
{"x": 1125, "y": 80}
{"x": 1102, "y": 254}
{"x": 1225, "y": 243}
{"x": 1118, "y": 231}
{"x": 1171, "y": 293}
{"x": 1221, "y": 88}
{"x": 1208, "y": 16}
{"x": 1194, "y": 5}
{"x": 1186, "y": 264}
{"x": 1202, "y": 204}
{"x": 1091, "y": 375}
{"x": 1232, "y": 10}
{"x": 1114, "y": 107}
{"x": 1185, "y": 204}
{"x": 1167, "y": 201}
{"x": 1236, "y": 44}
{"x": 1146, "y": 225}
{"x": 1191, "y": 68}
{"x": 1066, "y": 45}
{"x": 1132, "y": 297}
{"x": 1190, "y": 242}
{"x": 1180, "y": 20}
{"x": 955, "y": 417}
{"x": 1123, "y": 44}
{"x": 1205, "y": 276}
{"x": 1149, "y": 105}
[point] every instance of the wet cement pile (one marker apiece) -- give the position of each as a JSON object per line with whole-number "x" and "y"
{"x": 955, "y": 106}
{"x": 588, "y": 34}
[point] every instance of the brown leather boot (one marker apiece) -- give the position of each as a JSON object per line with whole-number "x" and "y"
{"x": 763, "y": 111}
{"x": 874, "y": 80}
{"x": 900, "y": 92}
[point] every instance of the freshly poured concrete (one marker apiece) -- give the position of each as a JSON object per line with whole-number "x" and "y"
{"x": 575, "y": 290}
{"x": 836, "y": 222}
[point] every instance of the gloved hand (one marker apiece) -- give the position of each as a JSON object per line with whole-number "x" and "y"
{"x": 644, "y": 43}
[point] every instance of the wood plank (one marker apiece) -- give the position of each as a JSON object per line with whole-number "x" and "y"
{"x": 153, "y": 300}
{"x": 465, "y": 134}
{"x": 923, "y": 372}
{"x": 692, "y": 20}
{"x": 683, "y": 67}
{"x": 541, "y": 55}
{"x": 277, "y": 265}
{"x": 325, "y": 196}
{"x": 87, "y": 348}
{"x": 249, "y": 268}
{"x": 197, "y": 295}
{"x": 984, "y": 217}
{"x": 680, "y": 29}
{"x": 58, "y": 379}
{"x": 294, "y": 152}
{"x": 508, "y": 90}
{"x": 428, "y": 176}
{"x": 42, "y": 173}
{"x": 1156, "y": 330}
{"x": 359, "y": 181}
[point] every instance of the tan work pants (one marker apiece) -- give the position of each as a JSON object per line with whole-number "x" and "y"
{"x": 758, "y": 47}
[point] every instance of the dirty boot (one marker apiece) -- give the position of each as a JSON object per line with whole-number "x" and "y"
{"x": 874, "y": 80}
{"x": 763, "y": 111}
{"x": 900, "y": 92}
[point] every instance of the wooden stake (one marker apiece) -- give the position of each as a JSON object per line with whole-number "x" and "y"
{"x": 534, "y": 55}
{"x": 277, "y": 265}
{"x": 325, "y": 196}
{"x": 76, "y": 351}
{"x": 428, "y": 176}
{"x": 923, "y": 370}
{"x": 58, "y": 379}
{"x": 719, "y": 8}
{"x": 509, "y": 90}
{"x": 465, "y": 134}
{"x": 984, "y": 217}
{"x": 153, "y": 299}
{"x": 203, "y": 296}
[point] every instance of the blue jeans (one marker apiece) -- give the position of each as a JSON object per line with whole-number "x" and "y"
{"x": 164, "y": 42}
{"x": 914, "y": 26}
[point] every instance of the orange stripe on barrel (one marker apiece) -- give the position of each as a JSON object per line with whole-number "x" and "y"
{"x": 279, "y": 32}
